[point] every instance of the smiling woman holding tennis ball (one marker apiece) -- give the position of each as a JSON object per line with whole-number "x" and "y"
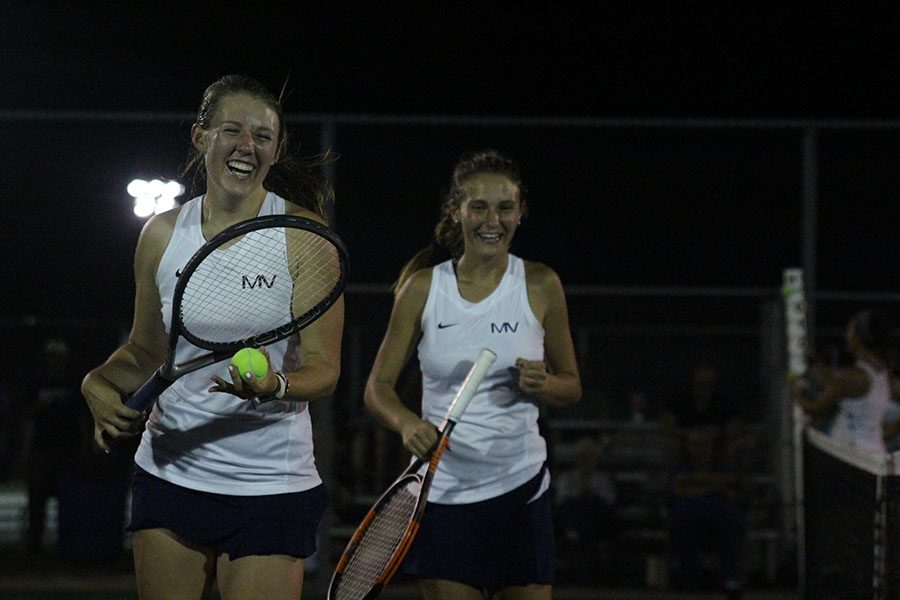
{"x": 225, "y": 489}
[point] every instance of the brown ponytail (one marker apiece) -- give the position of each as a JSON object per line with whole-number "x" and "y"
{"x": 297, "y": 179}
{"x": 300, "y": 180}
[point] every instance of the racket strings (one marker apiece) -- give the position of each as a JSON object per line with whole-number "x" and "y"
{"x": 259, "y": 283}
{"x": 315, "y": 266}
{"x": 377, "y": 546}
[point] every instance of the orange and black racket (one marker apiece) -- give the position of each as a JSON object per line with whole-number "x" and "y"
{"x": 381, "y": 541}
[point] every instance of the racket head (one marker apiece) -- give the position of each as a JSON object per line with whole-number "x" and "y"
{"x": 284, "y": 271}
{"x": 379, "y": 544}
{"x": 381, "y": 541}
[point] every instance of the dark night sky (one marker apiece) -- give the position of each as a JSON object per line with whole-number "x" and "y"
{"x": 603, "y": 59}
{"x": 662, "y": 207}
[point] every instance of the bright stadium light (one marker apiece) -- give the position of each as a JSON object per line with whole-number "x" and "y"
{"x": 154, "y": 196}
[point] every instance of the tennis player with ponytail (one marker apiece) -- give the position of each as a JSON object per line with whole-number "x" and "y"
{"x": 856, "y": 397}
{"x": 225, "y": 489}
{"x": 487, "y": 525}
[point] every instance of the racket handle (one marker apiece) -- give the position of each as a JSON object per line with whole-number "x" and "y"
{"x": 144, "y": 397}
{"x": 147, "y": 393}
{"x": 484, "y": 361}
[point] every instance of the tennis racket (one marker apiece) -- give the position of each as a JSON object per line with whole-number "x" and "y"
{"x": 255, "y": 283}
{"x": 381, "y": 541}
{"x": 796, "y": 332}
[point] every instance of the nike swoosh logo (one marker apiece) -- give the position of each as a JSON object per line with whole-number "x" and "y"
{"x": 446, "y": 325}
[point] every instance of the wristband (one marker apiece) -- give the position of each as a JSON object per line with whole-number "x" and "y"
{"x": 283, "y": 386}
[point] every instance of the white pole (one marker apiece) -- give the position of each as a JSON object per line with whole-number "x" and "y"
{"x": 796, "y": 335}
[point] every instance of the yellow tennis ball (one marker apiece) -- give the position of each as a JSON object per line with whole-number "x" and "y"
{"x": 250, "y": 360}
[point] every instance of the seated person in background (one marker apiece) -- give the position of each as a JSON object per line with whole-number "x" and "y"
{"x": 702, "y": 429}
{"x": 634, "y": 408}
{"x": 52, "y": 436}
{"x": 858, "y": 396}
{"x": 638, "y": 409}
{"x": 586, "y": 519}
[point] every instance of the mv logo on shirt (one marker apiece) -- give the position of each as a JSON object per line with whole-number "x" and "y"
{"x": 504, "y": 327}
{"x": 260, "y": 280}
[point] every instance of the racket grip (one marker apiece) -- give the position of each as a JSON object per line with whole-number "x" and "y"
{"x": 484, "y": 361}
{"x": 148, "y": 393}
{"x": 143, "y": 397}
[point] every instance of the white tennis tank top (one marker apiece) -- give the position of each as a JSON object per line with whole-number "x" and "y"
{"x": 218, "y": 442}
{"x": 858, "y": 420}
{"x": 496, "y": 446}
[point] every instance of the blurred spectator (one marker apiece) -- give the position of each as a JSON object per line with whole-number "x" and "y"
{"x": 62, "y": 461}
{"x": 703, "y": 428}
{"x": 859, "y": 395}
{"x": 638, "y": 409}
{"x": 634, "y": 409}
{"x": 586, "y": 514}
{"x": 10, "y": 432}
{"x": 52, "y": 436}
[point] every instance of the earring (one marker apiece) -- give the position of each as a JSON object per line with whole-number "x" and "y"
{"x": 520, "y": 222}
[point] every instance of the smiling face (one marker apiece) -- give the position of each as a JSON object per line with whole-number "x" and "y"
{"x": 489, "y": 214}
{"x": 239, "y": 146}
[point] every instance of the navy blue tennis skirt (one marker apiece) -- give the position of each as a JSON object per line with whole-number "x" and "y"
{"x": 239, "y": 526}
{"x": 492, "y": 544}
